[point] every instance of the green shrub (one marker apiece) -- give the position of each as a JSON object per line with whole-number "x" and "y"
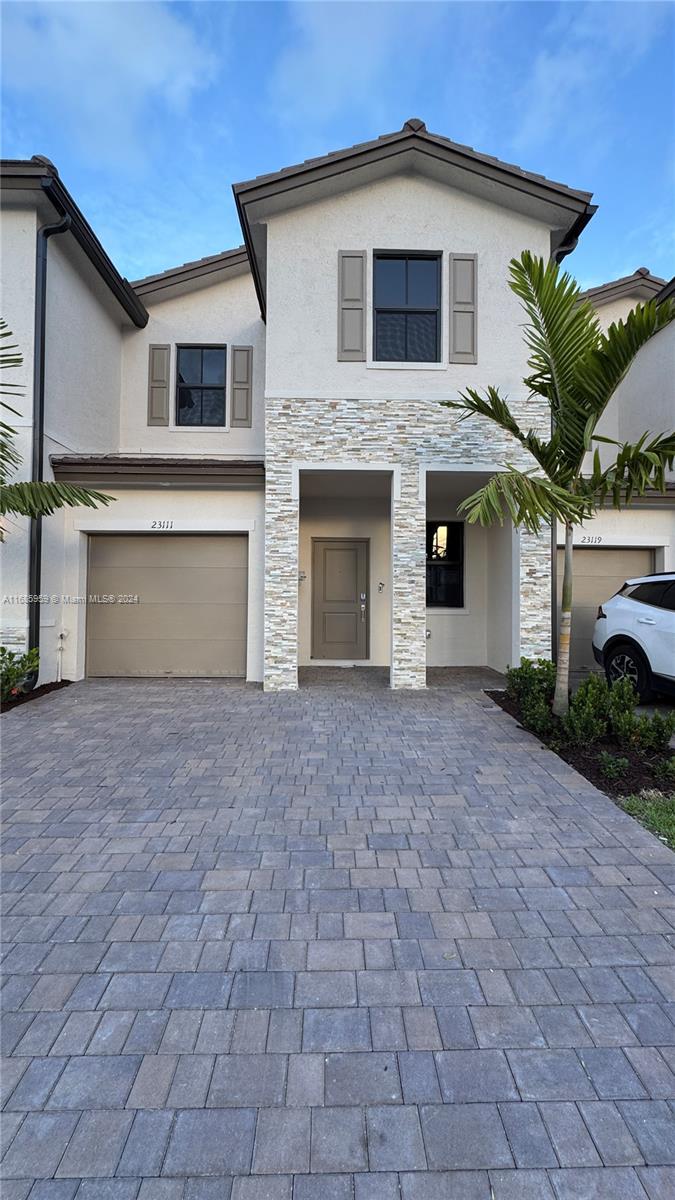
{"x": 14, "y": 667}
{"x": 664, "y": 772}
{"x": 535, "y": 711}
{"x": 622, "y": 719}
{"x": 655, "y": 732}
{"x": 588, "y": 715}
{"x": 532, "y": 685}
{"x": 613, "y": 766}
{"x": 531, "y": 677}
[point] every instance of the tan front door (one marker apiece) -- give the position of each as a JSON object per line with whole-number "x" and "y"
{"x": 339, "y": 598}
{"x": 190, "y": 617}
{"x": 598, "y": 574}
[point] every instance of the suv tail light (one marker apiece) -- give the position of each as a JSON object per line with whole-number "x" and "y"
{"x": 601, "y": 614}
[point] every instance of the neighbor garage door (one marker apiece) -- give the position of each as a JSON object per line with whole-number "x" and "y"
{"x": 598, "y": 574}
{"x": 190, "y": 618}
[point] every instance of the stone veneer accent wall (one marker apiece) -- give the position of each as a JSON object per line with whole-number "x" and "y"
{"x": 403, "y": 432}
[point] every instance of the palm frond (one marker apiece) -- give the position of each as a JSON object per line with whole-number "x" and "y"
{"x": 639, "y": 467}
{"x": 39, "y": 499}
{"x": 494, "y": 407}
{"x": 561, "y": 325}
{"x": 528, "y": 499}
{"x": 598, "y": 373}
{"x": 10, "y": 356}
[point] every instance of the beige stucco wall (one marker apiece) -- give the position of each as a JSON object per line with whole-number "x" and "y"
{"x": 225, "y": 312}
{"x": 321, "y": 410}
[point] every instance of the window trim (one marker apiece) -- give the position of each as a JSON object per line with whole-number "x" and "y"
{"x": 174, "y": 424}
{"x": 445, "y": 608}
{"x": 408, "y": 364}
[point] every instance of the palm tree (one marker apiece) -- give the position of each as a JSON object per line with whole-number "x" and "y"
{"x": 575, "y": 368}
{"x": 36, "y": 498}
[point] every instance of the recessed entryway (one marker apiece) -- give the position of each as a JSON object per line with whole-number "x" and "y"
{"x": 340, "y": 599}
{"x": 191, "y": 613}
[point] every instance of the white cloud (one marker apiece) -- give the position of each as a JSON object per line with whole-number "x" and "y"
{"x": 589, "y": 48}
{"x": 105, "y": 70}
{"x": 348, "y": 58}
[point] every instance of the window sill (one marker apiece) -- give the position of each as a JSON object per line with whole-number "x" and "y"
{"x": 405, "y": 366}
{"x": 455, "y": 612}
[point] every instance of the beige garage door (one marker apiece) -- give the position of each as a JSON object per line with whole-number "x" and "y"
{"x": 598, "y": 574}
{"x": 190, "y": 618}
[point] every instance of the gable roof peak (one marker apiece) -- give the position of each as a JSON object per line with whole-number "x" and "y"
{"x": 413, "y": 125}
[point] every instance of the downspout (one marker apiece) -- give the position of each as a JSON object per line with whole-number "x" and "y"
{"x": 37, "y": 464}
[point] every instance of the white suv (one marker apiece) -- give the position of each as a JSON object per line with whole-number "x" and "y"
{"x": 634, "y": 635}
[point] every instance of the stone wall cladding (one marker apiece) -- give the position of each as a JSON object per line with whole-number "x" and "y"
{"x": 403, "y": 432}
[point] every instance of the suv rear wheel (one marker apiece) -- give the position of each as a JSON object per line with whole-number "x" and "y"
{"x": 625, "y": 661}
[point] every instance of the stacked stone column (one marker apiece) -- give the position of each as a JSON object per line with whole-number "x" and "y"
{"x": 408, "y": 583}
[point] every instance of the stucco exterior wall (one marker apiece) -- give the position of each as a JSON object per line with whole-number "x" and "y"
{"x": 18, "y": 229}
{"x": 321, "y": 410}
{"x": 226, "y": 312}
{"x": 631, "y": 527}
{"x": 82, "y": 355}
{"x": 134, "y": 510}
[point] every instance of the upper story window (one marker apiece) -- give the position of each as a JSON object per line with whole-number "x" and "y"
{"x": 200, "y": 385}
{"x": 407, "y": 307}
{"x": 445, "y": 564}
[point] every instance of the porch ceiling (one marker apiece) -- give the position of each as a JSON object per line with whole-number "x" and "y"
{"x": 345, "y": 485}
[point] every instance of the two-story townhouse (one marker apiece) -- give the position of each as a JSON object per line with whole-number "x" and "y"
{"x": 616, "y": 545}
{"x": 286, "y": 480}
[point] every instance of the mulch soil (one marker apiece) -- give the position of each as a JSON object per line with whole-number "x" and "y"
{"x": 24, "y": 697}
{"x": 639, "y": 773}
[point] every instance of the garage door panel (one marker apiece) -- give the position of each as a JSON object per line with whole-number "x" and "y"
{"x": 189, "y": 659}
{"x": 157, "y": 621}
{"x": 191, "y": 615}
{"x": 598, "y": 575}
{"x": 167, "y": 550}
{"x": 184, "y": 585}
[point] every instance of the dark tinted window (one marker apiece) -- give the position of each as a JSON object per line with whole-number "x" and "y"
{"x": 445, "y": 564}
{"x": 668, "y": 598}
{"x": 407, "y": 296}
{"x": 200, "y": 385}
{"x": 648, "y": 593}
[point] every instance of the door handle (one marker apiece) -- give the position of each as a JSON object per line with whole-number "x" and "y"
{"x": 646, "y": 621}
{"x": 363, "y": 612}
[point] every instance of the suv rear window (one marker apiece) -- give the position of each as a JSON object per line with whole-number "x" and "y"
{"x": 648, "y": 593}
{"x": 668, "y": 598}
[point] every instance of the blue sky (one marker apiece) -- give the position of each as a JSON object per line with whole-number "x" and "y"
{"x": 152, "y": 110}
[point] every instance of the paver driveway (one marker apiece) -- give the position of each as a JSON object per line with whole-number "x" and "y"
{"x": 342, "y": 943}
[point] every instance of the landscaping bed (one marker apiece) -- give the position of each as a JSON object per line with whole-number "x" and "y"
{"x": 624, "y": 753}
{"x": 24, "y": 697}
{"x": 641, "y": 771}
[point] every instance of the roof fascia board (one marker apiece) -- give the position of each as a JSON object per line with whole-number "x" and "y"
{"x": 40, "y": 178}
{"x": 641, "y": 286}
{"x": 148, "y": 471}
{"x": 227, "y": 266}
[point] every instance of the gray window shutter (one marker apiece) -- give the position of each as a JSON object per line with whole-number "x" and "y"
{"x": 351, "y": 306}
{"x": 463, "y": 308}
{"x": 159, "y": 365}
{"x": 241, "y": 387}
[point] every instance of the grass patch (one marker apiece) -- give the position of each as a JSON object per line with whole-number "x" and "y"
{"x": 655, "y": 810}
